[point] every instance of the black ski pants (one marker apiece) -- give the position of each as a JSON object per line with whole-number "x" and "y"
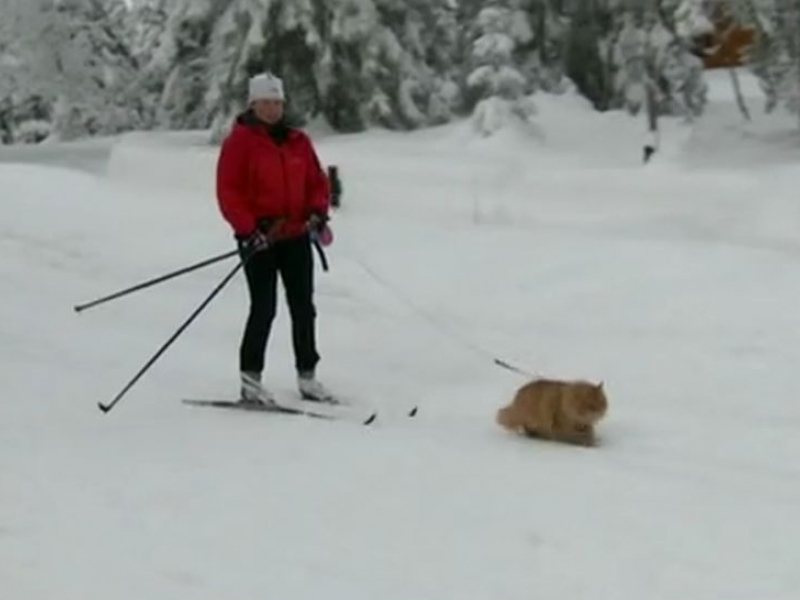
{"x": 293, "y": 260}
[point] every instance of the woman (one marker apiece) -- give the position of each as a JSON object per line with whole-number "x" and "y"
{"x": 273, "y": 192}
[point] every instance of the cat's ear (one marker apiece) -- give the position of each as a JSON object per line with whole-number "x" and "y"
{"x": 600, "y": 385}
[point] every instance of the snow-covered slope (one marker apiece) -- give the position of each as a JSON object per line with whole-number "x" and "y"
{"x": 676, "y": 284}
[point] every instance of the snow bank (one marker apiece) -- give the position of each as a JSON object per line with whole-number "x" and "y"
{"x": 183, "y": 162}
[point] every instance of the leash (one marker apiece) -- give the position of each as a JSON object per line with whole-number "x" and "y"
{"x": 435, "y": 323}
{"x": 419, "y": 312}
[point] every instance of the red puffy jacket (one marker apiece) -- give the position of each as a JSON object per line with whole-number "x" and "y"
{"x": 257, "y": 178}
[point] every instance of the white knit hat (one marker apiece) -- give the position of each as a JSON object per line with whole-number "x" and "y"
{"x": 265, "y": 86}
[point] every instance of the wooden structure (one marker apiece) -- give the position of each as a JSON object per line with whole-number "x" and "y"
{"x": 728, "y": 44}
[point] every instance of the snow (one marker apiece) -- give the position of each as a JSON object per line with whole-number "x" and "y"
{"x": 675, "y": 283}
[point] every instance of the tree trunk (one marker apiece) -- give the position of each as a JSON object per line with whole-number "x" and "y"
{"x": 738, "y": 91}
{"x": 651, "y": 144}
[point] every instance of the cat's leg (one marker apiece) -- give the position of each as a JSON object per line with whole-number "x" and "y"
{"x": 532, "y": 433}
{"x": 578, "y": 436}
{"x": 540, "y": 426}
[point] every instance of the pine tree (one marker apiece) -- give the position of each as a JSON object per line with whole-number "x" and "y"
{"x": 541, "y": 30}
{"x": 438, "y": 53}
{"x": 589, "y": 46}
{"x": 237, "y": 36}
{"x": 145, "y": 24}
{"x": 78, "y": 83}
{"x": 415, "y": 62}
{"x": 681, "y": 68}
{"x": 178, "y": 72}
{"x": 775, "y": 56}
{"x": 652, "y": 57}
{"x": 495, "y": 79}
{"x": 18, "y": 123}
{"x": 348, "y": 96}
{"x": 291, "y": 49}
{"x": 631, "y": 53}
{"x": 396, "y": 72}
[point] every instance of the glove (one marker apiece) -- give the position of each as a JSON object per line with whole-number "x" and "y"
{"x": 324, "y": 236}
{"x": 254, "y": 242}
{"x": 317, "y": 222}
{"x": 318, "y": 228}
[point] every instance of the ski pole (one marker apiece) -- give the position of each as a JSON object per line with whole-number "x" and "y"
{"x": 107, "y": 407}
{"x": 150, "y": 282}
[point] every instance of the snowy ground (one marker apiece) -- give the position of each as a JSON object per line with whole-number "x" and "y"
{"x": 676, "y": 284}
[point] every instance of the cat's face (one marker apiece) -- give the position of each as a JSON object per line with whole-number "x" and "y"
{"x": 591, "y": 403}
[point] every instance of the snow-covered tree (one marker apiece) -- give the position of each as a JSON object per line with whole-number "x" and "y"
{"x": 775, "y": 56}
{"x": 413, "y": 62}
{"x": 690, "y": 18}
{"x": 541, "y": 29}
{"x": 403, "y": 64}
{"x": 345, "y": 87}
{"x": 434, "y": 27}
{"x": 682, "y": 69}
{"x": 11, "y": 68}
{"x": 236, "y": 42}
{"x": 283, "y": 37}
{"x": 631, "y": 53}
{"x": 588, "y": 55}
{"x": 294, "y": 46}
{"x": 146, "y": 23}
{"x": 178, "y": 71}
{"x": 78, "y": 81}
{"x": 495, "y": 79}
{"x": 355, "y": 62}
{"x": 652, "y": 55}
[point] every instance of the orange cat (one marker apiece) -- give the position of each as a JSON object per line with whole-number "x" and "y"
{"x": 564, "y": 411}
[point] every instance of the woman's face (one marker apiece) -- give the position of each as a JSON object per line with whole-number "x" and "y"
{"x": 269, "y": 111}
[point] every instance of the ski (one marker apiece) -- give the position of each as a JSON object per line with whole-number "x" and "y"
{"x": 273, "y": 408}
{"x": 250, "y": 407}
